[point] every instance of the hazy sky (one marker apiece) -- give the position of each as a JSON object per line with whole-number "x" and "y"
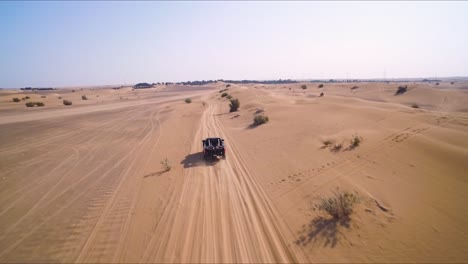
{"x": 86, "y": 43}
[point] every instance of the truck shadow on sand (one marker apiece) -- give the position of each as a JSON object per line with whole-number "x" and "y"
{"x": 196, "y": 160}
{"x": 322, "y": 231}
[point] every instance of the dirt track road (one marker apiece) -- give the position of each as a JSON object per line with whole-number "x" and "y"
{"x": 221, "y": 214}
{"x": 72, "y": 190}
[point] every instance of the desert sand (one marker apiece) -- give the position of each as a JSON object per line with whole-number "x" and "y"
{"x": 84, "y": 183}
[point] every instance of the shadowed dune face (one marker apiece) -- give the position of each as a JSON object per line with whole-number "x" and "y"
{"x": 84, "y": 183}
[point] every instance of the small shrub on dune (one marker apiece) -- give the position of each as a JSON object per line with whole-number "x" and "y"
{"x": 355, "y": 142}
{"x": 33, "y": 104}
{"x": 229, "y": 97}
{"x": 43, "y": 96}
{"x": 327, "y": 143}
{"x": 228, "y": 85}
{"x": 60, "y": 97}
{"x": 260, "y": 119}
{"x": 188, "y": 100}
{"x": 401, "y": 90}
{"x": 437, "y": 83}
{"x": 73, "y": 91}
{"x": 322, "y": 94}
{"x": 234, "y": 105}
{"x": 339, "y": 205}
{"x": 16, "y": 100}
{"x": 84, "y": 97}
{"x": 304, "y": 86}
{"x": 67, "y": 102}
{"x": 166, "y": 165}
{"x": 354, "y": 87}
{"x": 337, "y": 147}
{"x": 415, "y": 106}
{"x": 27, "y": 97}
{"x": 451, "y": 82}
{"x": 224, "y": 94}
{"x": 320, "y": 85}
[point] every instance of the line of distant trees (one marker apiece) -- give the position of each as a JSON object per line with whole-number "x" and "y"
{"x": 33, "y": 89}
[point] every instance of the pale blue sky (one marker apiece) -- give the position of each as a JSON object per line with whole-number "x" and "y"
{"x": 93, "y": 43}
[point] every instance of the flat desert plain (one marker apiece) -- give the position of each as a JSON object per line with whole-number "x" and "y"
{"x": 84, "y": 183}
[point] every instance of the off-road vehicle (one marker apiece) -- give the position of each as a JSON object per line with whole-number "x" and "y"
{"x": 213, "y": 148}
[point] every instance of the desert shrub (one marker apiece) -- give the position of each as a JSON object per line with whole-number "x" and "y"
{"x": 415, "y": 106}
{"x": 166, "y": 164}
{"x": 224, "y": 94}
{"x": 337, "y": 147}
{"x": 437, "y": 83}
{"x": 320, "y": 85}
{"x": 354, "y": 87}
{"x": 33, "y": 104}
{"x": 260, "y": 119}
{"x": 84, "y": 97}
{"x": 222, "y": 90}
{"x": 451, "y": 82}
{"x": 401, "y": 90}
{"x": 327, "y": 143}
{"x": 321, "y": 94}
{"x": 203, "y": 103}
{"x": 289, "y": 88}
{"x": 16, "y": 100}
{"x": 27, "y": 97}
{"x": 229, "y": 97}
{"x": 73, "y": 91}
{"x": 228, "y": 85}
{"x": 60, "y": 97}
{"x": 304, "y": 86}
{"x": 355, "y": 142}
{"x": 67, "y": 102}
{"x": 339, "y": 205}
{"x": 43, "y": 96}
{"x": 188, "y": 100}
{"x": 234, "y": 105}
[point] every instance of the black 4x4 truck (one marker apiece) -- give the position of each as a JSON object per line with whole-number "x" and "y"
{"x": 213, "y": 148}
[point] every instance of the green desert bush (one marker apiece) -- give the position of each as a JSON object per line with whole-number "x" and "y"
{"x": 224, "y": 94}
{"x": 327, "y": 143}
{"x": 228, "y": 85}
{"x": 229, "y": 97}
{"x": 27, "y": 97}
{"x": 67, "y": 102}
{"x": 320, "y": 85}
{"x": 84, "y": 97}
{"x": 260, "y": 119}
{"x": 337, "y": 147}
{"x": 16, "y": 100}
{"x": 355, "y": 142}
{"x": 401, "y": 90}
{"x": 33, "y": 104}
{"x": 188, "y": 100}
{"x": 166, "y": 164}
{"x": 339, "y": 205}
{"x": 304, "y": 86}
{"x": 234, "y": 105}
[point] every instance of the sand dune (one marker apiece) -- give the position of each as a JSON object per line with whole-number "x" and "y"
{"x": 85, "y": 184}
